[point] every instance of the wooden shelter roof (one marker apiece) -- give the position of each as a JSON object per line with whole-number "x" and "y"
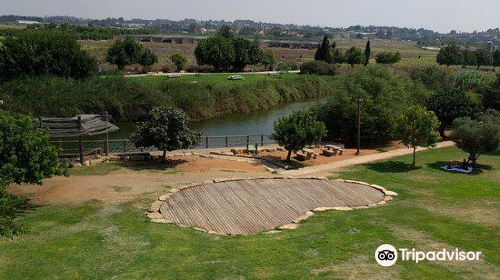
{"x": 83, "y": 125}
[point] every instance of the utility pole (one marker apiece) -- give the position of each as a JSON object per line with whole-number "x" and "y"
{"x": 360, "y": 101}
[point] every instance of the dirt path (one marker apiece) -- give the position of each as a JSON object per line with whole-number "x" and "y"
{"x": 356, "y": 160}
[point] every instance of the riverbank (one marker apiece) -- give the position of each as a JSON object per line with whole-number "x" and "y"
{"x": 131, "y": 99}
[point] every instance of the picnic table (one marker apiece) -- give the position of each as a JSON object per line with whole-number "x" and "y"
{"x": 332, "y": 150}
{"x": 306, "y": 154}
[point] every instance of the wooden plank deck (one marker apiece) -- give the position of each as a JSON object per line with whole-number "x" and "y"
{"x": 251, "y": 206}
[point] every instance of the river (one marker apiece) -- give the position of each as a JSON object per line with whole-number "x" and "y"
{"x": 258, "y": 122}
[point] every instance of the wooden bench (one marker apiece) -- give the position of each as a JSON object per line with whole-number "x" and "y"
{"x": 302, "y": 156}
{"x": 310, "y": 153}
{"x": 86, "y": 153}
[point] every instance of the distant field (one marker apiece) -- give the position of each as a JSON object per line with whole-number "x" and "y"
{"x": 214, "y": 78}
{"x": 410, "y": 52}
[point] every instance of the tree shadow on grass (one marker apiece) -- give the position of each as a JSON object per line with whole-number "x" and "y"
{"x": 391, "y": 167}
{"x": 478, "y": 169}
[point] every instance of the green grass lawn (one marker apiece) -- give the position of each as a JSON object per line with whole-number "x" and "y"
{"x": 214, "y": 78}
{"x": 434, "y": 210}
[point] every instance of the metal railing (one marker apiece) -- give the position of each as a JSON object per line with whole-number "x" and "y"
{"x": 127, "y": 146}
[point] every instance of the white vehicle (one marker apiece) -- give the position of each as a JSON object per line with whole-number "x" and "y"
{"x": 235, "y": 78}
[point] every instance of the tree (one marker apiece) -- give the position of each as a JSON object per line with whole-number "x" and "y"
{"x": 25, "y": 157}
{"x": 179, "y": 60}
{"x": 124, "y": 52}
{"x": 318, "y": 67}
{"x": 245, "y": 53}
{"x": 324, "y": 52}
{"x": 368, "y": 53}
{"x": 215, "y": 51}
{"x": 491, "y": 95}
{"x": 417, "y": 127}
{"x": 469, "y": 58}
{"x": 37, "y": 53}
{"x": 268, "y": 60}
{"x": 297, "y": 131}
{"x": 147, "y": 58}
{"x": 496, "y": 59}
{"x": 353, "y": 56}
{"x": 449, "y": 55}
{"x": 451, "y": 104}
{"x": 226, "y": 32}
{"x": 483, "y": 58}
{"x": 388, "y": 58}
{"x": 166, "y": 129}
{"x": 477, "y": 137}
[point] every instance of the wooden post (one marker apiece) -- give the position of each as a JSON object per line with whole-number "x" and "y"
{"x": 80, "y": 140}
{"x": 262, "y": 140}
{"x": 248, "y": 139}
{"x": 226, "y": 141}
{"x": 359, "y": 127}
{"x": 124, "y": 144}
{"x": 206, "y": 142}
{"x": 106, "y": 144}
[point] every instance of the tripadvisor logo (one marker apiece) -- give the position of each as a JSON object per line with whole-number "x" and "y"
{"x": 386, "y": 255}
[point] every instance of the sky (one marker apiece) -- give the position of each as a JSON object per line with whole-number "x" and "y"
{"x": 438, "y": 15}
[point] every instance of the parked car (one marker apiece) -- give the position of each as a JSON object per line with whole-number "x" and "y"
{"x": 235, "y": 78}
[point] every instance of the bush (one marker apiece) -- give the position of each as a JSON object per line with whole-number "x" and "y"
{"x": 435, "y": 78}
{"x": 473, "y": 81}
{"x": 179, "y": 60}
{"x": 287, "y": 66}
{"x": 35, "y": 53}
{"x": 318, "y": 68}
{"x": 388, "y": 58}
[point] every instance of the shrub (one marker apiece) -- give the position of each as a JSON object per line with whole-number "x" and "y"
{"x": 318, "y": 68}
{"x": 354, "y": 56}
{"x": 35, "y": 53}
{"x": 179, "y": 60}
{"x": 435, "y": 78}
{"x": 473, "y": 81}
{"x": 287, "y": 66}
{"x": 388, "y": 58}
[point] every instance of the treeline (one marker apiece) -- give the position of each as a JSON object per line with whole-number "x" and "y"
{"x": 130, "y": 100}
{"x": 81, "y": 32}
{"x": 452, "y": 54}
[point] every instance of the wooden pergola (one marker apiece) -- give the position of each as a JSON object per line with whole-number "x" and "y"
{"x": 79, "y": 127}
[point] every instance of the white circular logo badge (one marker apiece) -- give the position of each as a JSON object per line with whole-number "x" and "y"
{"x": 386, "y": 255}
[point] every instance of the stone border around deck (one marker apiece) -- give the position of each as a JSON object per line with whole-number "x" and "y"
{"x": 156, "y": 217}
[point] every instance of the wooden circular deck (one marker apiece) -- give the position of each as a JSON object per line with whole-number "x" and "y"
{"x": 249, "y": 206}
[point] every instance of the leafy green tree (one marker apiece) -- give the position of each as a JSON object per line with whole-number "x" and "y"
{"x": 226, "y": 32}
{"x": 452, "y": 104}
{"x": 491, "y": 95}
{"x": 483, "y": 58}
{"x": 36, "y": 53}
{"x": 353, "y": 56}
{"x": 25, "y": 157}
{"x": 245, "y": 53}
{"x": 179, "y": 60}
{"x": 477, "y": 137}
{"x": 388, "y": 58}
{"x": 469, "y": 58}
{"x": 124, "y": 52}
{"x": 166, "y": 129}
{"x": 435, "y": 78}
{"x": 450, "y": 55}
{"x": 268, "y": 60}
{"x": 297, "y": 131}
{"x": 215, "y": 51}
{"x": 368, "y": 52}
{"x": 338, "y": 56}
{"x": 417, "y": 127}
{"x": 496, "y": 59}
{"x": 147, "y": 58}
{"x": 324, "y": 52}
